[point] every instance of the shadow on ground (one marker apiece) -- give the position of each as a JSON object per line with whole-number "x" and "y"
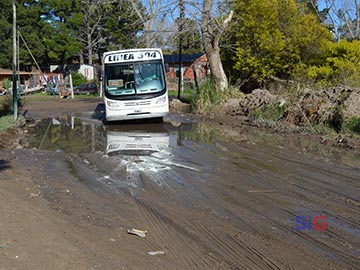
{"x": 4, "y": 164}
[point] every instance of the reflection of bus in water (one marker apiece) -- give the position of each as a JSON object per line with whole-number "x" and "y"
{"x": 135, "y": 84}
{"x": 146, "y": 141}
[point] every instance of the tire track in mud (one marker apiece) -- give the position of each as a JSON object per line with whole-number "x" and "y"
{"x": 256, "y": 252}
{"x": 348, "y": 175}
{"x": 311, "y": 239}
{"x": 235, "y": 252}
{"x": 345, "y": 259}
{"x": 343, "y": 228}
{"x": 169, "y": 239}
{"x": 325, "y": 192}
{"x": 324, "y": 245}
{"x": 319, "y": 186}
{"x": 319, "y": 244}
{"x": 329, "y": 246}
{"x": 259, "y": 164}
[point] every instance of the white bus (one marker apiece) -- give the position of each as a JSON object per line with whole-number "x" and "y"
{"x": 135, "y": 84}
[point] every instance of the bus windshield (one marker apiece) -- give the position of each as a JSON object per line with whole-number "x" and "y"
{"x": 134, "y": 78}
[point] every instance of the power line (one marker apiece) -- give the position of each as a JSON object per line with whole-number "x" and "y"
{"x": 27, "y": 47}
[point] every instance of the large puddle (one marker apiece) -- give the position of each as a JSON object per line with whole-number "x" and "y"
{"x": 84, "y": 134}
{"x": 168, "y": 153}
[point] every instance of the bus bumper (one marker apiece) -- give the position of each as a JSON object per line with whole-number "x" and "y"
{"x": 135, "y": 110}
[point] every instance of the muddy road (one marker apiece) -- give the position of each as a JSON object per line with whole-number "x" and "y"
{"x": 208, "y": 197}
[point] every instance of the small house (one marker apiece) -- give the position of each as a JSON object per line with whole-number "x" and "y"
{"x": 85, "y": 70}
{"x": 190, "y": 62}
{"x": 28, "y": 79}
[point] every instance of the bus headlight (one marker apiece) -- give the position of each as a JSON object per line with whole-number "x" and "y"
{"x": 112, "y": 103}
{"x": 161, "y": 100}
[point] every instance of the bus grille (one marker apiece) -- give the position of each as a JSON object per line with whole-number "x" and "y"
{"x": 137, "y": 103}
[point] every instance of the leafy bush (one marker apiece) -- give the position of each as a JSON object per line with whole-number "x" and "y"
{"x": 353, "y": 124}
{"x": 6, "y": 83}
{"x": 339, "y": 64}
{"x": 78, "y": 78}
{"x": 272, "y": 38}
{"x": 6, "y": 122}
{"x": 6, "y": 105}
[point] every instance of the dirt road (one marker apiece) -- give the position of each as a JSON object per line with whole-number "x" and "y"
{"x": 209, "y": 196}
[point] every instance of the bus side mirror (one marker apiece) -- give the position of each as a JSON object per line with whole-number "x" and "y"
{"x": 167, "y": 67}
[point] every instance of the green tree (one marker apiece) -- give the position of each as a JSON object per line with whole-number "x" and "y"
{"x": 121, "y": 28}
{"x": 60, "y": 23}
{"x": 273, "y": 37}
{"x": 339, "y": 64}
{"x": 5, "y": 33}
{"x": 60, "y": 31}
{"x": 29, "y": 24}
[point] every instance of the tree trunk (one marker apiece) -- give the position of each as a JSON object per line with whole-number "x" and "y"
{"x": 216, "y": 67}
{"x": 81, "y": 57}
{"x": 89, "y": 48}
{"x": 211, "y": 32}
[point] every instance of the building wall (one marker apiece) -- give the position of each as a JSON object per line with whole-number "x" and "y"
{"x": 87, "y": 71}
{"x": 25, "y": 79}
{"x": 200, "y": 64}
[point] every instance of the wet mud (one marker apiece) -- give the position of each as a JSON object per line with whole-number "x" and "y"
{"x": 209, "y": 197}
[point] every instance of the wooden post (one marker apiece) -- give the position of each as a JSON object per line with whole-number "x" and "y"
{"x": 14, "y": 86}
{"x": 71, "y": 87}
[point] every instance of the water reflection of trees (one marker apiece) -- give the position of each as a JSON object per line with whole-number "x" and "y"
{"x": 63, "y": 136}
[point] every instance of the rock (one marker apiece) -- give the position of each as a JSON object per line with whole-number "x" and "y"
{"x": 319, "y": 107}
{"x": 19, "y": 146}
{"x": 176, "y": 106}
{"x": 254, "y": 100}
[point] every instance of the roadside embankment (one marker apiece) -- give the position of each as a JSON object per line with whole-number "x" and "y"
{"x": 333, "y": 113}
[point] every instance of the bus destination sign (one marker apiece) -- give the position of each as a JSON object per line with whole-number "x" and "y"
{"x": 131, "y": 56}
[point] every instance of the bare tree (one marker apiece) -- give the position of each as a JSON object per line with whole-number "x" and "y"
{"x": 212, "y": 28}
{"x": 93, "y": 12}
{"x": 344, "y": 18}
{"x": 155, "y": 19}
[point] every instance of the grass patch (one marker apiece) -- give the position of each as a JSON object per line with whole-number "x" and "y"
{"x": 6, "y": 113}
{"x": 208, "y": 96}
{"x": 186, "y": 96}
{"x": 84, "y": 96}
{"x": 270, "y": 111}
{"x": 352, "y": 124}
{"x": 6, "y": 122}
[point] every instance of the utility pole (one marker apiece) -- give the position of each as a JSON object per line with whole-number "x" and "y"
{"x": 181, "y": 28}
{"x": 14, "y": 86}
